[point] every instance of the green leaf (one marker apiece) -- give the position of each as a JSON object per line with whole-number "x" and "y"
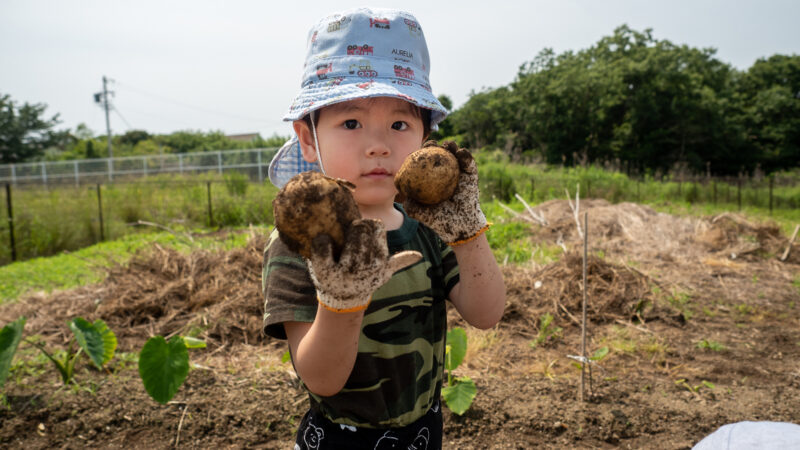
{"x": 163, "y": 367}
{"x": 599, "y": 354}
{"x": 286, "y": 357}
{"x": 10, "y": 336}
{"x": 89, "y": 339}
{"x": 457, "y": 341}
{"x": 109, "y": 340}
{"x": 459, "y": 397}
{"x": 194, "y": 342}
{"x": 708, "y": 384}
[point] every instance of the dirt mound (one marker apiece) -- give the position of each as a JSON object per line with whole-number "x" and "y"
{"x": 616, "y": 293}
{"x": 733, "y": 236}
{"x": 622, "y": 227}
{"x": 627, "y": 228}
{"x": 214, "y": 294}
{"x": 166, "y": 292}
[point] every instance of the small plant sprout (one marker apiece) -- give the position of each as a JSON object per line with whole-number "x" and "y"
{"x": 710, "y": 345}
{"x": 547, "y": 331}
{"x": 164, "y": 365}
{"x": 95, "y": 339}
{"x": 694, "y": 389}
{"x": 10, "y": 336}
{"x": 459, "y": 392}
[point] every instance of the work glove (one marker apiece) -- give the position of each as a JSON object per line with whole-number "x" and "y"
{"x": 364, "y": 265}
{"x": 458, "y": 219}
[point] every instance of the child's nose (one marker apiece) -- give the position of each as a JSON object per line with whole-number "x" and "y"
{"x": 378, "y": 147}
{"x": 378, "y": 150}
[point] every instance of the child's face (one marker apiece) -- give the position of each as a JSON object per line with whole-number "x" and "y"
{"x": 365, "y": 142}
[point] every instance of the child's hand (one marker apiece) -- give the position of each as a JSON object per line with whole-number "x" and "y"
{"x": 364, "y": 266}
{"x": 458, "y": 219}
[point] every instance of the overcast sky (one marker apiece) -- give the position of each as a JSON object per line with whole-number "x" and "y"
{"x": 235, "y": 66}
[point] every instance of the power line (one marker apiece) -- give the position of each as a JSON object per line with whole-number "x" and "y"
{"x": 120, "y": 116}
{"x": 187, "y": 105}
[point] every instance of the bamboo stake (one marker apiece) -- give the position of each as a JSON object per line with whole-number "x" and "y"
{"x": 538, "y": 217}
{"x": 583, "y": 314}
{"x": 789, "y": 246}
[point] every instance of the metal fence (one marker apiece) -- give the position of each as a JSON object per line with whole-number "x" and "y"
{"x": 252, "y": 162}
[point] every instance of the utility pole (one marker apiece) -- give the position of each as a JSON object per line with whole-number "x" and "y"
{"x": 102, "y": 99}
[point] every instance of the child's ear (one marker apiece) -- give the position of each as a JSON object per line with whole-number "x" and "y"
{"x": 306, "y": 139}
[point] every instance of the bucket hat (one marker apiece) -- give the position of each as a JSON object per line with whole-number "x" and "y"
{"x": 353, "y": 54}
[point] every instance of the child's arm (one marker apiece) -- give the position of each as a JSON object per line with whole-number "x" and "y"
{"x": 480, "y": 294}
{"x": 324, "y": 351}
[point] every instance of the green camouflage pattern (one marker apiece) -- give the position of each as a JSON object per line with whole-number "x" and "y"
{"x": 399, "y": 367}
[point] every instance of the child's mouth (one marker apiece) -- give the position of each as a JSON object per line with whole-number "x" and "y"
{"x": 377, "y": 173}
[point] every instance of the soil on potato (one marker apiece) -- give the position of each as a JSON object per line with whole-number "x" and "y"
{"x": 700, "y": 318}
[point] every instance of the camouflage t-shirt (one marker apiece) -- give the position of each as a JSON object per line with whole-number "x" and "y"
{"x": 398, "y": 370}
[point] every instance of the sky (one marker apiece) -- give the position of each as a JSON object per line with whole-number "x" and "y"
{"x": 235, "y": 65}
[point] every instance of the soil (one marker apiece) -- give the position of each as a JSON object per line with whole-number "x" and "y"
{"x": 700, "y": 318}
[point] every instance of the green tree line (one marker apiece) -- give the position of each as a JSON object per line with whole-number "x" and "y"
{"x": 27, "y": 135}
{"x": 647, "y": 104}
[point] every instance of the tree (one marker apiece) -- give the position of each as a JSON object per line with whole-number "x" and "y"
{"x": 24, "y": 132}
{"x": 446, "y": 126}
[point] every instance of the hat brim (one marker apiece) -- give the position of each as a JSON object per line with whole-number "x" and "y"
{"x": 341, "y": 89}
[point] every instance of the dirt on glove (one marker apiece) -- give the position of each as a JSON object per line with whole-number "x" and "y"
{"x": 312, "y": 204}
{"x": 429, "y": 175}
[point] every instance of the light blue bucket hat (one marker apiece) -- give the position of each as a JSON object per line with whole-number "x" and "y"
{"x": 358, "y": 53}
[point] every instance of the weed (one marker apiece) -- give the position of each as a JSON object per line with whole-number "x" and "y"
{"x": 620, "y": 342}
{"x": 710, "y": 345}
{"x": 547, "y": 331}
{"x": 695, "y": 389}
{"x": 682, "y": 302}
{"x": 745, "y": 309}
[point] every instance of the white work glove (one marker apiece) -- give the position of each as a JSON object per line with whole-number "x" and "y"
{"x": 458, "y": 219}
{"x": 364, "y": 265}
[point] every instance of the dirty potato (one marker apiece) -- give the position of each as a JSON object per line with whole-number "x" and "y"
{"x": 311, "y": 204}
{"x": 429, "y": 175}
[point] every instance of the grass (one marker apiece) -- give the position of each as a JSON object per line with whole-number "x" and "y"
{"x": 48, "y": 221}
{"x": 89, "y": 265}
{"x": 65, "y": 221}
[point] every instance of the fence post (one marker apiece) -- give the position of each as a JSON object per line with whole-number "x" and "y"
{"x": 180, "y": 162}
{"x": 260, "y": 175}
{"x": 11, "y": 223}
{"x": 219, "y": 162}
{"x": 110, "y": 169}
{"x": 739, "y": 193}
{"x": 210, "y": 215}
{"x": 100, "y": 214}
{"x": 44, "y": 174}
{"x": 714, "y": 188}
{"x": 144, "y": 165}
{"x": 771, "y": 181}
{"x": 13, "y": 175}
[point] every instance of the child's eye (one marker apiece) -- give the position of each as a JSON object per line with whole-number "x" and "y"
{"x": 399, "y": 125}
{"x": 351, "y": 124}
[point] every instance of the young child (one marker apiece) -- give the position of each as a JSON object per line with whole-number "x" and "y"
{"x": 366, "y": 331}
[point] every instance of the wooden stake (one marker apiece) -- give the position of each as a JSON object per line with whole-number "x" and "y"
{"x": 789, "y": 246}
{"x": 583, "y": 315}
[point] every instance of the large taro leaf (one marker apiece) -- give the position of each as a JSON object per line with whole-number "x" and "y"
{"x": 457, "y": 348}
{"x": 163, "y": 367}
{"x": 95, "y": 339}
{"x": 460, "y": 395}
{"x": 10, "y": 336}
{"x": 109, "y": 340}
